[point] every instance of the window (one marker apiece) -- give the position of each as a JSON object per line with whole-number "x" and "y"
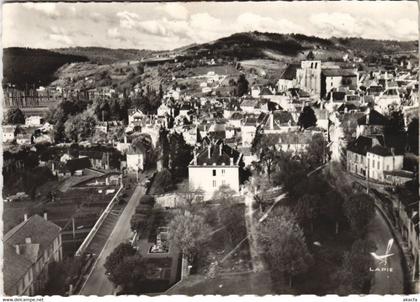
{"x": 379, "y": 165}
{"x": 387, "y": 167}
{"x": 223, "y": 171}
{"x": 373, "y": 163}
{"x": 214, "y": 172}
{"x": 214, "y": 184}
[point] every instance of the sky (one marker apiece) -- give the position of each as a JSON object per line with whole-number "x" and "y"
{"x": 164, "y": 26}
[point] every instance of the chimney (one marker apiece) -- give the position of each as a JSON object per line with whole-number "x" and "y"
{"x": 17, "y": 249}
{"x": 368, "y": 116}
{"x": 45, "y": 216}
{"x": 195, "y": 157}
{"x": 209, "y": 150}
{"x": 25, "y": 217}
{"x": 220, "y": 149}
{"x": 231, "y": 161}
{"x": 125, "y": 139}
{"x": 28, "y": 240}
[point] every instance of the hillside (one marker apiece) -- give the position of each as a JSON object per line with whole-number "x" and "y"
{"x": 41, "y": 67}
{"x": 101, "y": 55}
{"x": 26, "y": 66}
{"x": 253, "y": 45}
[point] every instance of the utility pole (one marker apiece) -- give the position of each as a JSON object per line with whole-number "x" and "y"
{"x": 367, "y": 176}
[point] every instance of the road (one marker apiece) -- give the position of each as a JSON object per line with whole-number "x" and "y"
{"x": 97, "y": 282}
{"x": 391, "y": 282}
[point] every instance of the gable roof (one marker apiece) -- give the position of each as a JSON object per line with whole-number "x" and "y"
{"x": 362, "y": 144}
{"x": 375, "y": 118}
{"x": 216, "y": 157}
{"x": 42, "y": 234}
{"x": 290, "y": 72}
{"x": 382, "y": 151}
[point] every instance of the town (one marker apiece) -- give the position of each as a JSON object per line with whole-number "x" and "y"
{"x": 203, "y": 174}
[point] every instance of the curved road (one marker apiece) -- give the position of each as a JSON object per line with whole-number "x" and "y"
{"x": 391, "y": 282}
{"x": 97, "y": 282}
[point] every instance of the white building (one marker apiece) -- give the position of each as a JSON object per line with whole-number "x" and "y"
{"x": 308, "y": 76}
{"x": 135, "y": 116}
{"x": 135, "y": 161}
{"x": 380, "y": 159}
{"x": 215, "y": 165}
{"x": 33, "y": 121}
{"x": 8, "y": 133}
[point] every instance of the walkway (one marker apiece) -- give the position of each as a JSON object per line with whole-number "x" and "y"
{"x": 97, "y": 282}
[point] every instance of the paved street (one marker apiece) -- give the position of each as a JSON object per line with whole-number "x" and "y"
{"x": 386, "y": 282}
{"x": 98, "y": 283}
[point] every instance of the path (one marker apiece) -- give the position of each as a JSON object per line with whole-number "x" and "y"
{"x": 97, "y": 282}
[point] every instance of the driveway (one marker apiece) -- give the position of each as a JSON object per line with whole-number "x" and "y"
{"x": 97, "y": 282}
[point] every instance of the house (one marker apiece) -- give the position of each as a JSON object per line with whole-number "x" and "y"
{"x": 249, "y": 127}
{"x": 214, "y": 165}
{"x": 135, "y": 116}
{"x": 279, "y": 121}
{"x": 9, "y": 133}
{"x": 250, "y": 105}
{"x": 308, "y": 76}
{"x": 135, "y": 160}
{"x": 389, "y": 98}
{"x": 34, "y": 121}
{"x": 372, "y": 123}
{"x": 24, "y": 138}
{"x": 357, "y": 152}
{"x": 322, "y": 120}
{"x": 288, "y": 78}
{"x": 164, "y": 110}
{"x": 29, "y": 249}
{"x": 336, "y": 78}
{"x": 381, "y": 159}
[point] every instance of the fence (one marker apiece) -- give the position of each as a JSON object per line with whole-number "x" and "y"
{"x": 98, "y": 224}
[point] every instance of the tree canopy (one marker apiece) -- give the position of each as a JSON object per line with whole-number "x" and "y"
{"x": 307, "y": 118}
{"x": 15, "y": 116}
{"x": 189, "y": 232}
{"x": 284, "y": 243}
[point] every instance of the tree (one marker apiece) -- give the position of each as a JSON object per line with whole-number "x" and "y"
{"x": 164, "y": 147}
{"x": 80, "y": 127}
{"x": 188, "y": 232}
{"x": 122, "y": 251}
{"x": 394, "y": 131}
{"x": 266, "y": 150}
{"x": 413, "y": 136}
{"x": 307, "y": 118}
{"x": 163, "y": 182}
{"x": 354, "y": 276}
{"x": 241, "y": 85}
{"x": 224, "y": 194}
{"x": 284, "y": 244}
{"x": 180, "y": 155}
{"x": 332, "y": 207}
{"x": 15, "y": 116}
{"x": 359, "y": 210}
{"x": 129, "y": 273}
{"x": 315, "y": 154}
{"x": 307, "y": 209}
